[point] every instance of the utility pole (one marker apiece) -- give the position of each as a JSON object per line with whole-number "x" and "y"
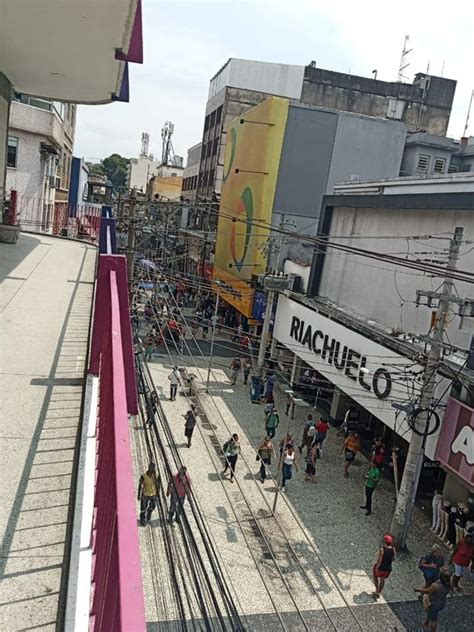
{"x": 131, "y": 238}
{"x": 266, "y": 326}
{"x": 414, "y": 463}
{"x": 213, "y": 337}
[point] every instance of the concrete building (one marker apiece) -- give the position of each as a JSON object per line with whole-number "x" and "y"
{"x": 240, "y": 84}
{"x": 40, "y": 141}
{"x": 363, "y": 303}
{"x": 281, "y": 159}
{"x": 140, "y": 170}
{"x": 424, "y": 104}
{"x": 165, "y": 188}
{"x": 426, "y": 154}
{"x": 191, "y": 172}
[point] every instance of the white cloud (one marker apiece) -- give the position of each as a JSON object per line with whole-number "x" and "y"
{"x": 187, "y": 42}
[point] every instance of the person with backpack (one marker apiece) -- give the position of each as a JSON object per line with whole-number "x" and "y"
{"x": 272, "y": 422}
{"x": 190, "y": 423}
{"x": 311, "y": 458}
{"x": 231, "y": 449}
{"x": 304, "y": 439}
{"x": 235, "y": 366}
{"x": 265, "y": 451}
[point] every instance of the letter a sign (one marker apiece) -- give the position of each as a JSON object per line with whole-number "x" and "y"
{"x": 464, "y": 444}
{"x": 456, "y": 441}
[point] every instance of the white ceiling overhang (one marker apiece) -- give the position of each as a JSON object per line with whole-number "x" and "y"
{"x": 70, "y": 50}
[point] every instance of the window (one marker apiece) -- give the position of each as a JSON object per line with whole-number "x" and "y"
{"x": 12, "y": 152}
{"x": 439, "y": 165}
{"x": 453, "y": 168}
{"x": 395, "y": 109}
{"x": 423, "y": 163}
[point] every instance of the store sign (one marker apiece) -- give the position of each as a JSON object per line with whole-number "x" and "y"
{"x": 456, "y": 445}
{"x": 372, "y": 375}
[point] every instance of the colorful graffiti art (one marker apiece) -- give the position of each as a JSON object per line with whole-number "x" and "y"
{"x": 252, "y": 158}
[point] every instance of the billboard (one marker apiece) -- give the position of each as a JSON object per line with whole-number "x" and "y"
{"x": 252, "y": 158}
{"x": 456, "y": 444}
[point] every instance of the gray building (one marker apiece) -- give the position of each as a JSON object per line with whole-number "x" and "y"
{"x": 240, "y": 84}
{"x": 426, "y": 155}
{"x": 424, "y": 104}
{"x": 322, "y": 147}
{"x": 191, "y": 172}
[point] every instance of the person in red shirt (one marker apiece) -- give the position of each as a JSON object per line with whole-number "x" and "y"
{"x": 463, "y": 557}
{"x": 178, "y": 488}
{"x": 378, "y": 452}
{"x": 322, "y": 428}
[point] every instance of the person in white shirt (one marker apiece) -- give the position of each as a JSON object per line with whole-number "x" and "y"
{"x": 174, "y": 381}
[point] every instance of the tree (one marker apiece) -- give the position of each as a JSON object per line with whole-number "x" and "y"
{"x": 114, "y": 167}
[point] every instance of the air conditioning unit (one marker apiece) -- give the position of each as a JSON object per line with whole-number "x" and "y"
{"x": 296, "y": 283}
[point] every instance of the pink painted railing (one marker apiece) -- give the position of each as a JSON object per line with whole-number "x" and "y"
{"x": 117, "y": 603}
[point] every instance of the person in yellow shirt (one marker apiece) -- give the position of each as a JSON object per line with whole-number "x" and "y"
{"x": 148, "y": 493}
{"x": 350, "y": 448}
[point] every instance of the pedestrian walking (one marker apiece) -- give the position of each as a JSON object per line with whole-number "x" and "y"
{"x": 149, "y": 346}
{"x": 178, "y": 488}
{"x": 434, "y": 599}
{"x": 289, "y": 461}
{"x": 463, "y": 558}
{"x": 304, "y": 439}
{"x": 322, "y": 428}
{"x": 174, "y": 381}
{"x": 431, "y": 564}
{"x": 351, "y": 447}
{"x": 190, "y": 423}
{"x": 311, "y": 458}
{"x": 383, "y": 566}
{"x": 247, "y": 369}
{"x": 372, "y": 479}
{"x": 147, "y": 493}
{"x": 235, "y": 367}
{"x": 265, "y": 452}
{"x": 286, "y": 442}
{"x": 231, "y": 449}
{"x": 290, "y": 404}
{"x": 378, "y": 452}
{"x": 269, "y": 383}
{"x": 272, "y": 422}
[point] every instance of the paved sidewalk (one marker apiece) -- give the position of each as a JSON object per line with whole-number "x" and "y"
{"x": 327, "y": 520}
{"x": 45, "y": 301}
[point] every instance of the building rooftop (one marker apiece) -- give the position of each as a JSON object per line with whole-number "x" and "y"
{"x": 45, "y": 302}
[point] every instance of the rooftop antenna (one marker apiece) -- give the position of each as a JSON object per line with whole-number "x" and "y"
{"x": 167, "y": 151}
{"x": 466, "y": 126}
{"x": 145, "y": 144}
{"x": 403, "y": 60}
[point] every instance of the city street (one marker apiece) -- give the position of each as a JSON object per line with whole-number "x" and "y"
{"x": 313, "y": 563}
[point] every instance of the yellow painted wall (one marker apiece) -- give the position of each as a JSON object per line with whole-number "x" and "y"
{"x": 167, "y": 188}
{"x": 252, "y": 159}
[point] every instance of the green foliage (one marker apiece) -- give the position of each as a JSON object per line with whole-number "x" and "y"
{"x": 114, "y": 167}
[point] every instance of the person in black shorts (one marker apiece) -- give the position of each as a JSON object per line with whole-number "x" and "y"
{"x": 190, "y": 423}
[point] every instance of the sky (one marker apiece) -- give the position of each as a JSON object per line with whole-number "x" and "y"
{"x": 187, "y": 42}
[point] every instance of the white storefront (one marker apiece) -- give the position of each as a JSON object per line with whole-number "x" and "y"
{"x": 369, "y": 373}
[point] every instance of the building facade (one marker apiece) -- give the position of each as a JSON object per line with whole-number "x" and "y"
{"x": 281, "y": 159}
{"x": 240, "y": 84}
{"x": 386, "y": 304}
{"x": 39, "y": 157}
{"x": 424, "y": 104}
{"x": 191, "y": 173}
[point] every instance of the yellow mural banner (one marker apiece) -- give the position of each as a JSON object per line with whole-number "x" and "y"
{"x": 235, "y": 292}
{"x": 252, "y": 159}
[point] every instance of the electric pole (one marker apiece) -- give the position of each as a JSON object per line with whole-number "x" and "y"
{"x": 414, "y": 463}
{"x": 131, "y": 238}
{"x": 266, "y": 326}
